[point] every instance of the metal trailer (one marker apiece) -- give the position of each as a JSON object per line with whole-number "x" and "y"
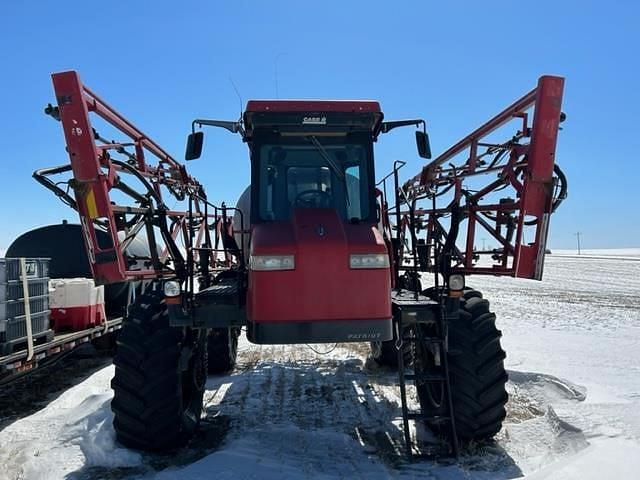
{"x": 25, "y": 361}
{"x": 28, "y": 342}
{"x": 395, "y": 253}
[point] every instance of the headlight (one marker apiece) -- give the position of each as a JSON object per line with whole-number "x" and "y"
{"x": 272, "y": 262}
{"x": 456, "y": 282}
{"x": 369, "y": 260}
{"x": 171, "y": 289}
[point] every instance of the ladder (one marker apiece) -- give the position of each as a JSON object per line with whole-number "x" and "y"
{"x": 411, "y": 317}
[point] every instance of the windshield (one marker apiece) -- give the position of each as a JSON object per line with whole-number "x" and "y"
{"x": 299, "y": 174}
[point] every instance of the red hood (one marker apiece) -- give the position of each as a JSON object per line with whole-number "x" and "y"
{"x": 322, "y": 286}
{"x": 315, "y": 230}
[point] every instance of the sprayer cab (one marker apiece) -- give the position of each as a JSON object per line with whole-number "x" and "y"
{"x": 314, "y": 220}
{"x": 314, "y": 240}
{"x": 307, "y": 154}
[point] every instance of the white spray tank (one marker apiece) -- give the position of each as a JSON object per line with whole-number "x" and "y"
{"x": 244, "y": 205}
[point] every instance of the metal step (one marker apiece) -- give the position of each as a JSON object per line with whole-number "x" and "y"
{"x": 432, "y": 340}
{"x": 429, "y": 418}
{"x": 426, "y": 377}
{"x": 426, "y": 451}
{"x": 433, "y": 452}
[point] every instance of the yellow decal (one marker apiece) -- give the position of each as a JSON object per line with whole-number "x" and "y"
{"x": 92, "y": 208}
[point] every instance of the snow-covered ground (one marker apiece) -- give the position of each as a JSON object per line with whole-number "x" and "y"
{"x": 619, "y": 253}
{"x": 606, "y": 252}
{"x": 286, "y": 411}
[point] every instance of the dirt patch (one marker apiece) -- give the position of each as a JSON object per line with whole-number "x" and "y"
{"x": 521, "y": 407}
{"x": 209, "y": 436}
{"x": 30, "y": 393}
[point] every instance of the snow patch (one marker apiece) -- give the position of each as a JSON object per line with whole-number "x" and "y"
{"x": 616, "y": 458}
{"x": 284, "y": 451}
{"x": 547, "y": 387}
{"x": 73, "y": 432}
{"x": 93, "y": 433}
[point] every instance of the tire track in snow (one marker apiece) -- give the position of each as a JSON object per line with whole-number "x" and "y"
{"x": 288, "y": 385}
{"x": 291, "y": 388}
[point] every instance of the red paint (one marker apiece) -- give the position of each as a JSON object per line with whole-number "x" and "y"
{"x": 322, "y": 286}
{"x": 76, "y": 318}
{"x": 538, "y": 183}
{"x": 92, "y": 185}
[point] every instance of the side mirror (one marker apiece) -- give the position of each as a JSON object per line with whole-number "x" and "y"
{"x": 422, "y": 142}
{"x": 194, "y": 145}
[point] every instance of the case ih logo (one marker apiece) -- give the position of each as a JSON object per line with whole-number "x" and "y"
{"x": 314, "y": 120}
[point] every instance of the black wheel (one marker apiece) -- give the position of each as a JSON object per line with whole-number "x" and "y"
{"x": 222, "y": 347}
{"x": 477, "y": 373}
{"x": 159, "y": 380}
{"x": 106, "y": 343}
{"x": 385, "y": 354}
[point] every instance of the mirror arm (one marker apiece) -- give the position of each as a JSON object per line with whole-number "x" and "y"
{"x": 233, "y": 127}
{"x": 388, "y": 126}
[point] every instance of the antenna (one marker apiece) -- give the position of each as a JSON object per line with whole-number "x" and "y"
{"x": 275, "y": 65}
{"x": 238, "y": 94}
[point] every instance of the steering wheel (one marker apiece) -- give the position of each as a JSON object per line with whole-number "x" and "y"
{"x": 313, "y": 199}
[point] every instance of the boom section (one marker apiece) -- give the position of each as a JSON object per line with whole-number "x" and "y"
{"x": 119, "y": 187}
{"x": 482, "y": 191}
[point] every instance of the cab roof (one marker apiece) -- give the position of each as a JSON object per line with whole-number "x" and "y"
{"x": 314, "y": 106}
{"x": 302, "y": 117}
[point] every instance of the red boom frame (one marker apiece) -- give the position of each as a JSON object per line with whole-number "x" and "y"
{"x": 97, "y": 171}
{"x": 526, "y": 168}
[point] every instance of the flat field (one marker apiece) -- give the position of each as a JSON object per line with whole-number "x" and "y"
{"x": 573, "y": 345}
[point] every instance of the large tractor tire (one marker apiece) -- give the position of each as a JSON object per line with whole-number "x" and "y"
{"x": 477, "y": 373}
{"x": 385, "y": 354}
{"x": 222, "y": 347}
{"x": 159, "y": 379}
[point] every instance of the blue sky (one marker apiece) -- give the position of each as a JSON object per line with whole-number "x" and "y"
{"x": 452, "y": 63}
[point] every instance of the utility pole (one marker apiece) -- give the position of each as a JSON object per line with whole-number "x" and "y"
{"x": 577, "y": 234}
